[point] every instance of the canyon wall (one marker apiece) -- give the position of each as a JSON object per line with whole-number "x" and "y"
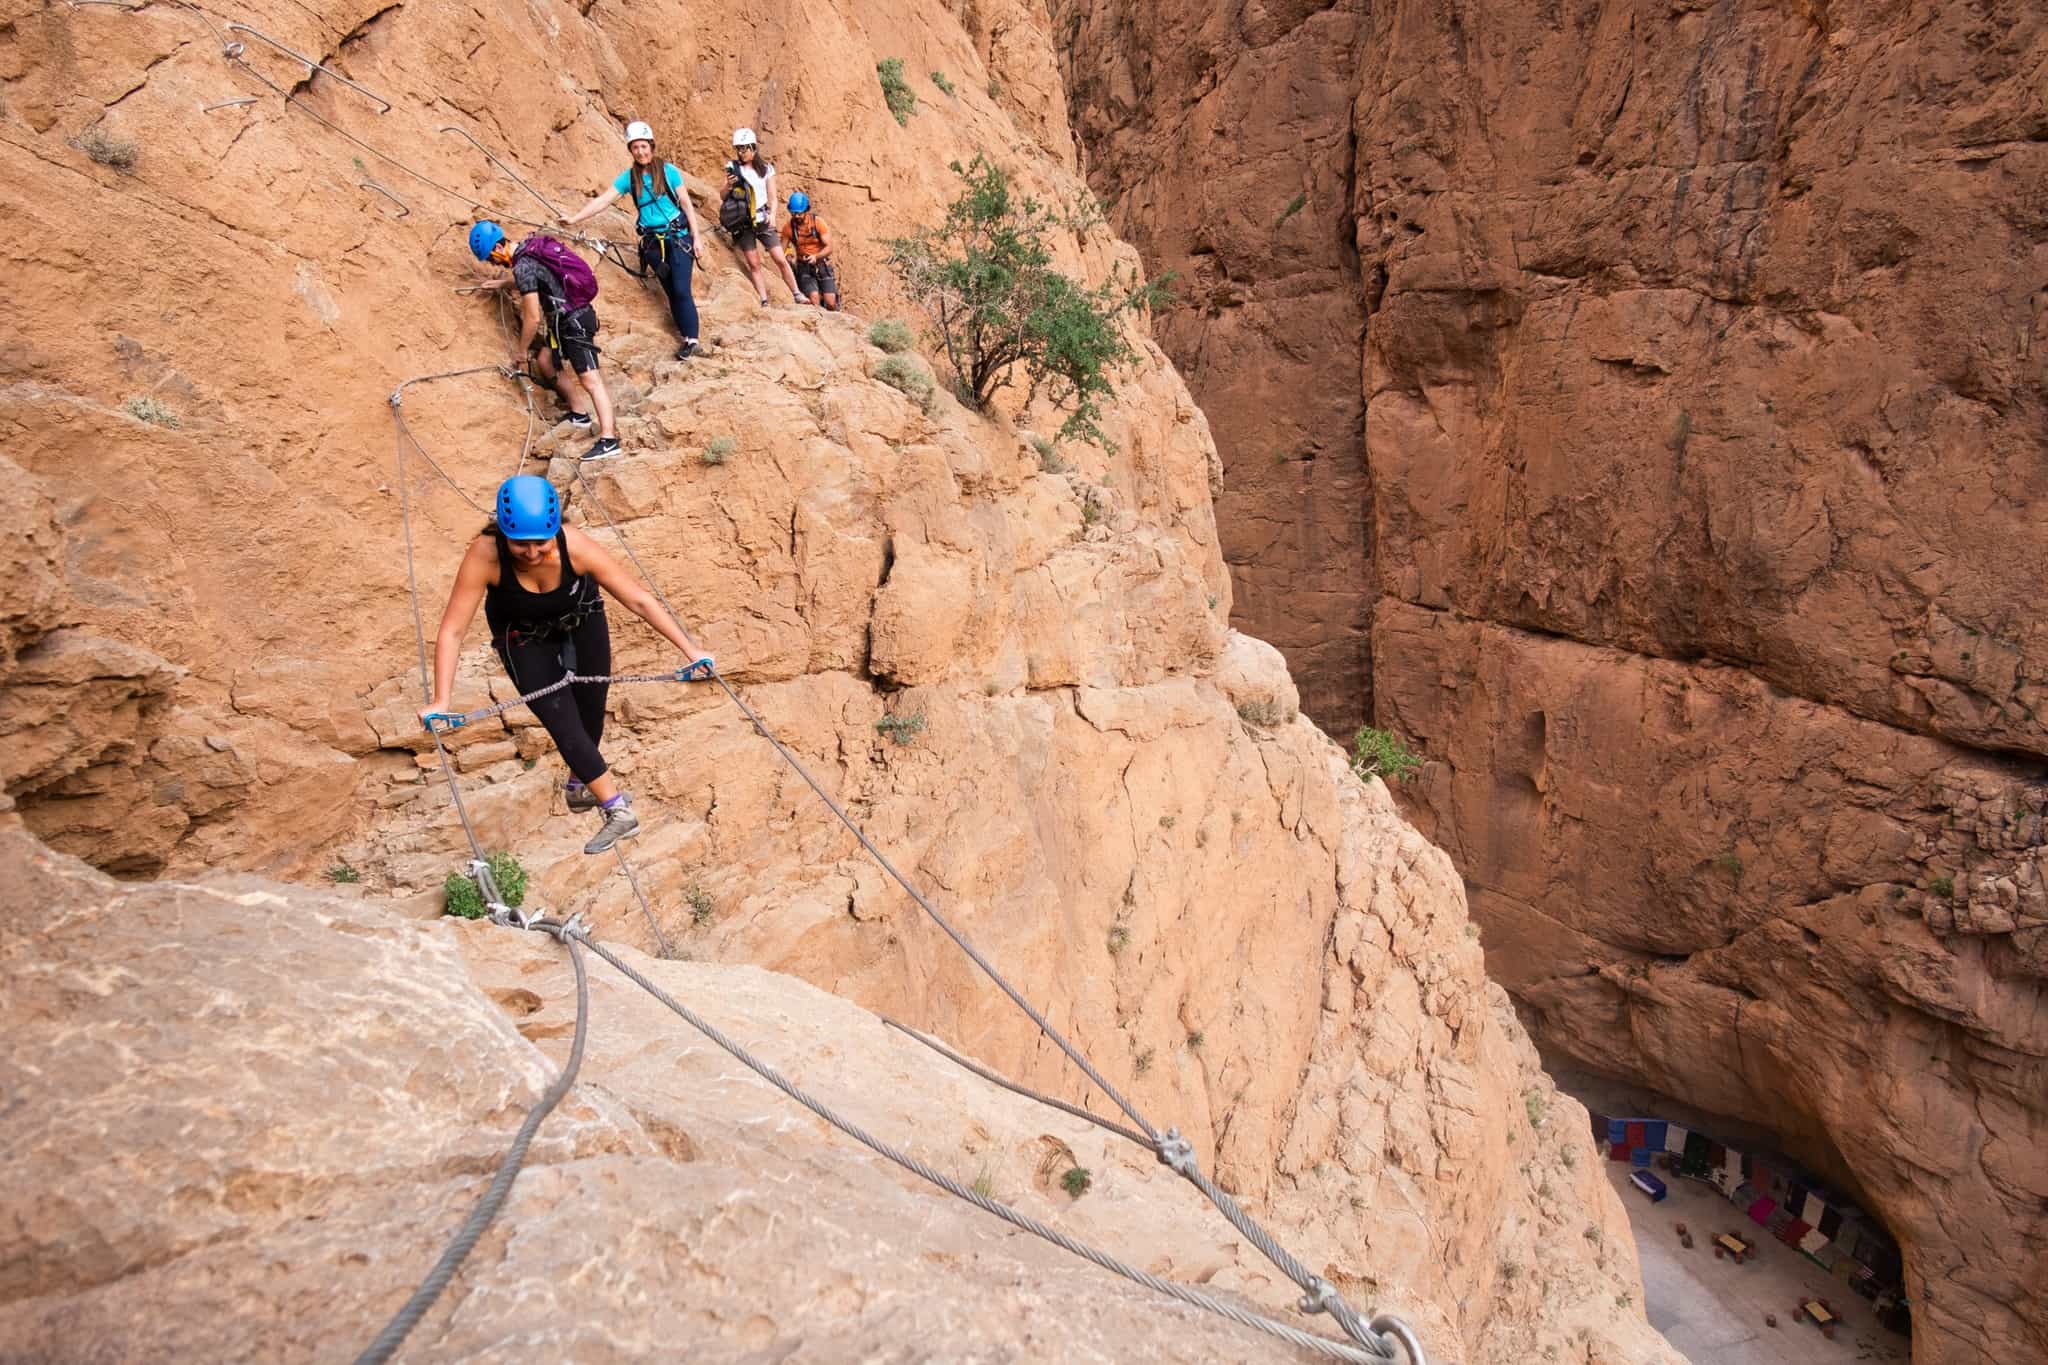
{"x": 1016, "y": 672}
{"x": 1705, "y": 390}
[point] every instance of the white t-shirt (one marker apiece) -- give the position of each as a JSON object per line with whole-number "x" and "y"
{"x": 756, "y": 178}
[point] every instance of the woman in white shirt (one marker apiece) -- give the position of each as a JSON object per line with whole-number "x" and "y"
{"x": 750, "y": 177}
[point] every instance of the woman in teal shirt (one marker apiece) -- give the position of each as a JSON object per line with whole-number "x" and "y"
{"x": 669, "y": 241}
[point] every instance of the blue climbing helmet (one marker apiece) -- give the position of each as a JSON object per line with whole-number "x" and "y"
{"x": 484, "y": 239}
{"x": 799, "y": 202}
{"x": 528, "y": 508}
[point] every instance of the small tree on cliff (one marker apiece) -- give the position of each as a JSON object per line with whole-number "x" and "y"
{"x": 985, "y": 276}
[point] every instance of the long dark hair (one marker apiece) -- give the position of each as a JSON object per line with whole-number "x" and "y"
{"x": 654, "y": 174}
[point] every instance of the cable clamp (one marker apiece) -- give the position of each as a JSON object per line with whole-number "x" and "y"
{"x": 1320, "y": 1296}
{"x": 1178, "y": 1153}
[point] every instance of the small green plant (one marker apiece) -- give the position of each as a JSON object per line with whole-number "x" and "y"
{"x": 1624, "y": 1299}
{"x": 1049, "y": 456}
{"x": 902, "y": 730}
{"x": 896, "y": 91}
{"x": 465, "y": 901}
{"x": 720, "y": 449}
{"x": 1075, "y": 1182}
{"x": 1091, "y": 507}
{"x": 1143, "y": 1062}
{"x": 1196, "y": 1039}
{"x": 1294, "y": 206}
{"x": 1944, "y": 887}
{"x": 1168, "y": 821}
{"x": 1471, "y": 929}
{"x": 1119, "y": 939}
{"x": 701, "y": 903}
{"x": 1375, "y": 752}
{"x": 343, "y": 872}
{"x": 107, "y": 149}
{"x": 1213, "y": 599}
{"x": 985, "y": 1184}
{"x": 1536, "y": 1105}
{"x": 891, "y": 335}
{"x": 1593, "y": 1234}
{"x": 1510, "y": 1271}
{"x": 146, "y": 409}
{"x": 995, "y": 88}
{"x": 528, "y": 764}
{"x": 1264, "y": 712}
{"x": 939, "y": 79}
{"x": 1731, "y": 863}
{"x": 902, "y": 373}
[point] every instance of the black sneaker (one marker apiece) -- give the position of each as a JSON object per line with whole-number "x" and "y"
{"x": 688, "y": 349}
{"x": 582, "y": 421}
{"x": 602, "y": 447}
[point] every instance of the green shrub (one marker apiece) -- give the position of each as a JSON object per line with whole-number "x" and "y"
{"x": 1091, "y": 507}
{"x": 902, "y": 372}
{"x": 1143, "y": 1061}
{"x": 1944, "y": 887}
{"x": 1294, "y": 206}
{"x": 720, "y": 449}
{"x": 995, "y": 88}
{"x": 1075, "y": 1182}
{"x": 146, "y": 409}
{"x": 700, "y": 902}
{"x": 1377, "y": 752}
{"x": 896, "y": 91}
{"x": 1119, "y": 939}
{"x": 939, "y": 79}
{"x": 466, "y": 901}
{"x": 1196, "y": 1039}
{"x": 985, "y": 276}
{"x": 891, "y": 335}
{"x": 107, "y": 150}
{"x": 902, "y": 730}
{"x": 985, "y": 1183}
{"x": 342, "y": 872}
{"x": 1264, "y": 712}
{"x": 1536, "y": 1106}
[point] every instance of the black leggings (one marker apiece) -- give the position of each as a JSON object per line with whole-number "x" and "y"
{"x": 574, "y": 716}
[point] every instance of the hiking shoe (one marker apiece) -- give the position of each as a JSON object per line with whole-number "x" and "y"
{"x": 688, "y": 350}
{"x": 602, "y": 447}
{"x": 582, "y": 421}
{"x": 797, "y": 297}
{"x": 619, "y": 823}
{"x": 579, "y": 796}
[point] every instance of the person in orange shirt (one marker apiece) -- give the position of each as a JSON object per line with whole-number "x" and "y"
{"x": 810, "y": 242}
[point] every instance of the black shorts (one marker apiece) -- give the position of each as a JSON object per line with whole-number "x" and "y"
{"x": 816, "y": 277}
{"x": 756, "y": 234}
{"x": 572, "y": 339}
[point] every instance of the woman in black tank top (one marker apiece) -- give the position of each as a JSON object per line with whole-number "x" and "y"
{"x": 544, "y": 601}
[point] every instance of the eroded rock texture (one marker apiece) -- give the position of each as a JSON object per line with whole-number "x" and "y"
{"x": 1705, "y": 408}
{"x": 271, "y": 1104}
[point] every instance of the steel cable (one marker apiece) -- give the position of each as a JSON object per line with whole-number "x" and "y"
{"x": 1334, "y": 1350}
{"x": 387, "y": 1341}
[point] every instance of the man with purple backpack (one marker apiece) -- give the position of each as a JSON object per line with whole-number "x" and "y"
{"x": 557, "y": 325}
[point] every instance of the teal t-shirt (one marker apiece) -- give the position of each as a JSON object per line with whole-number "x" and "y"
{"x": 659, "y": 210}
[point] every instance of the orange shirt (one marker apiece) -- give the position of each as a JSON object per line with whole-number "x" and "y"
{"x": 811, "y": 240}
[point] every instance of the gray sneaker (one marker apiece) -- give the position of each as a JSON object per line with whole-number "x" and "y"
{"x": 579, "y": 797}
{"x": 619, "y": 823}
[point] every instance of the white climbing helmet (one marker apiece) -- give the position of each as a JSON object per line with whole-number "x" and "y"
{"x": 637, "y": 131}
{"x": 743, "y": 137}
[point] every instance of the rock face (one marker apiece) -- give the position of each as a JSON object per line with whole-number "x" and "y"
{"x": 1703, "y": 409}
{"x": 1020, "y": 681}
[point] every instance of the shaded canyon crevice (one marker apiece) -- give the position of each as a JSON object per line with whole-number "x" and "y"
{"x": 1700, "y": 368}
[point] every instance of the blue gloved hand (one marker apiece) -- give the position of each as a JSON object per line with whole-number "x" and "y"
{"x": 702, "y": 668}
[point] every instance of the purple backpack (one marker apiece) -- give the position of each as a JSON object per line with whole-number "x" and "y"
{"x": 579, "y": 284}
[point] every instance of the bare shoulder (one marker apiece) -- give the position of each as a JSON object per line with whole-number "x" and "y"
{"x": 481, "y": 557}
